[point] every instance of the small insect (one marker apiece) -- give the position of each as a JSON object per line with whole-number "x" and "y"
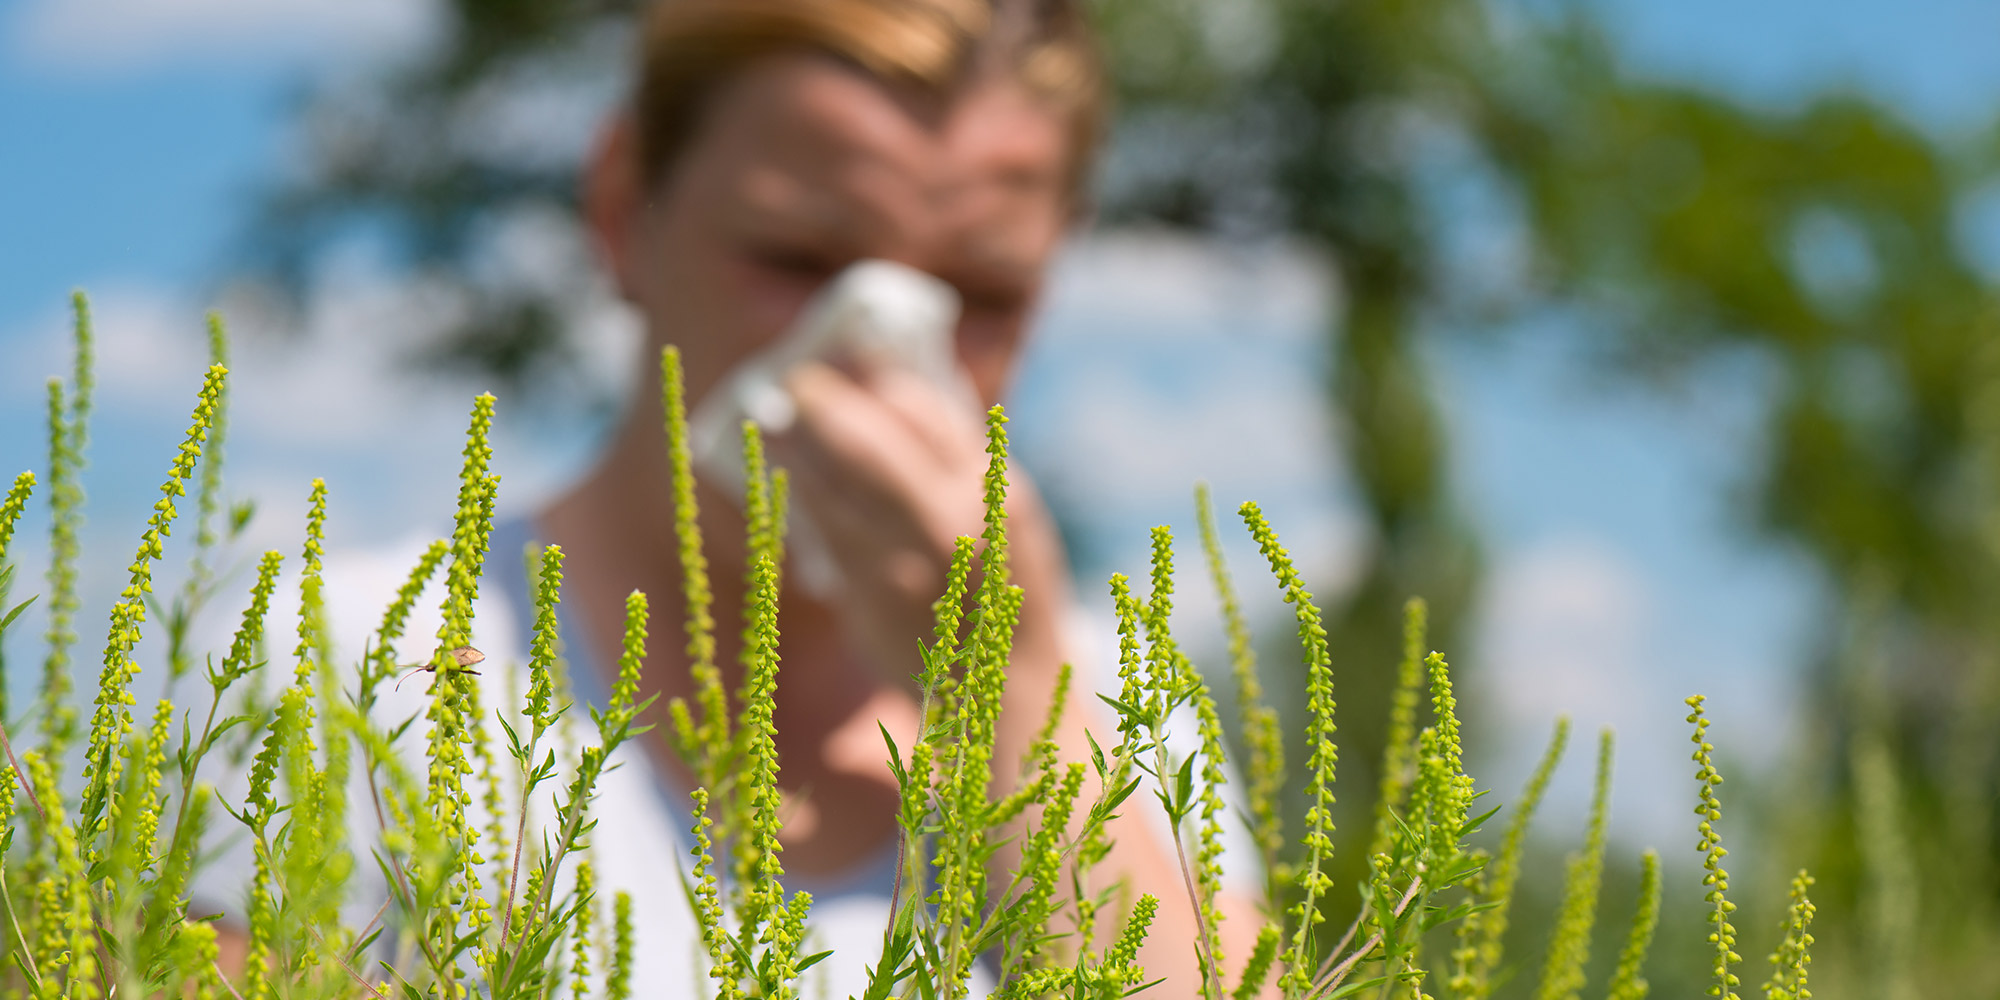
{"x": 465, "y": 657}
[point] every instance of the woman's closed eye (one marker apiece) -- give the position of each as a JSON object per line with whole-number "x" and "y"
{"x": 993, "y": 300}
{"x": 798, "y": 262}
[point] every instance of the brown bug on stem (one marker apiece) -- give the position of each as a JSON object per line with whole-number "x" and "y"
{"x": 464, "y": 657}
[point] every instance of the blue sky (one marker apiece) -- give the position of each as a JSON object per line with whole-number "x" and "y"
{"x": 132, "y": 133}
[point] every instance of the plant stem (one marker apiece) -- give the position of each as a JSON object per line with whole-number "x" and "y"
{"x": 902, "y": 862}
{"x": 18, "y": 773}
{"x": 1353, "y": 928}
{"x": 1210, "y": 973}
{"x": 396, "y": 864}
{"x": 1347, "y": 964}
{"x": 351, "y": 974}
{"x": 223, "y": 977}
{"x": 27, "y": 954}
{"x": 520, "y": 834}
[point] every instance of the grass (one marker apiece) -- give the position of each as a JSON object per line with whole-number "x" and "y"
{"x": 102, "y": 841}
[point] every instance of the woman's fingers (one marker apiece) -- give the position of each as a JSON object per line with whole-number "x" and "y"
{"x": 872, "y": 456}
{"x": 946, "y": 422}
{"x": 889, "y": 470}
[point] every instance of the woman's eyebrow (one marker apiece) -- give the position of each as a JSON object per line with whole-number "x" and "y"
{"x": 781, "y": 205}
{"x": 772, "y": 203}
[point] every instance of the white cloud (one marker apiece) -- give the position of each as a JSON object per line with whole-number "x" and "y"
{"x": 96, "y": 36}
{"x": 1153, "y": 284}
{"x": 1165, "y": 359}
{"x": 1571, "y": 626}
{"x": 1564, "y": 633}
{"x": 336, "y": 398}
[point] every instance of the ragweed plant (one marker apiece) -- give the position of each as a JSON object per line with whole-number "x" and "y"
{"x": 1722, "y": 934}
{"x": 482, "y": 812}
{"x": 1562, "y": 976}
{"x": 1262, "y": 736}
{"x": 1628, "y": 981}
{"x": 1480, "y": 933}
{"x": 1793, "y": 954}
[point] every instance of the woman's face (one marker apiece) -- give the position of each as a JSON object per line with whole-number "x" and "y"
{"x": 803, "y": 166}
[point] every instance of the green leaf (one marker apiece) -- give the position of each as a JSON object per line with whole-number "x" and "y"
{"x": 240, "y": 515}
{"x": 1472, "y": 825}
{"x": 1184, "y": 788}
{"x": 1125, "y": 711}
{"x": 1359, "y": 986}
{"x": 895, "y": 756}
{"x": 1114, "y": 801}
{"x": 16, "y": 613}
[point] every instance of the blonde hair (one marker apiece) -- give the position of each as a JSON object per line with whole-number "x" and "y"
{"x": 688, "y": 48}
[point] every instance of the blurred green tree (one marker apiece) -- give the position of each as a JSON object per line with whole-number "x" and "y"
{"x": 1824, "y": 242}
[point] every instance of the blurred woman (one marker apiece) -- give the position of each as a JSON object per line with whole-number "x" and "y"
{"x": 767, "y": 145}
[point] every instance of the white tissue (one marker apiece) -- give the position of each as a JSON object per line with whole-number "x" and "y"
{"x": 877, "y": 314}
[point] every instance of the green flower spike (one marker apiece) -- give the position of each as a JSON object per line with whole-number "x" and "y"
{"x": 757, "y": 866}
{"x": 382, "y": 662}
{"x": 543, "y": 649}
{"x": 618, "y": 978}
{"x": 312, "y": 614}
{"x": 66, "y": 947}
{"x": 200, "y": 582}
{"x": 1789, "y": 961}
{"x": 111, "y": 720}
{"x": 10, "y": 509}
{"x": 761, "y": 502}
{"x": 151, "y": 756}
{"x": 785, "y": 937}
{"x": 1722, "y": 934}
{"x": 1096, "y": 843}
{"x": 973, "y": 709}
{"x": 454, "y": 715}
{"x": 1628, "y": 982}
{"x": 585, "y": 930}
{"x": 1313, "y": 877}
{"x": 196, "y": 954}
{"x": 1258, "y": 968}
{"x": 260, "y": 807}
{"x": 69, "y": 437}
{"x": 1262, "y": 734}
{"x": 723, "y": 967}
{"x": 1121, "y": 960}
{"x": 1569, "y": 949}
{"x": 1479, "y": 935}
{"x": 250, "y": 633}
{"x": 1451, "y": 788}
{"x": 1173, "y": 678}
{"x": 707, "y": 739}
{"x": 1042, "y": 863}
{"x": 624, "y": 707}
{"x": 1399, "y": 750}
{"x": 208, "y": 498}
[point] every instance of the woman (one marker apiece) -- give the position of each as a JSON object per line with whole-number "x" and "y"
{"x": 769, "y": 144}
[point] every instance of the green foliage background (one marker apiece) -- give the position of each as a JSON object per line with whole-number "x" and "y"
{"x": 1674, "y": 220}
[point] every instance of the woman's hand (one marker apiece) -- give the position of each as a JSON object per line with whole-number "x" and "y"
{"x": 890, "y": 469}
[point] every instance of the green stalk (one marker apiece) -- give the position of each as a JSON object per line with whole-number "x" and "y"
{"x": 1262, "y": 734}
{"x": 1313, "y": 880}
{"x": 1569, "y": 949}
